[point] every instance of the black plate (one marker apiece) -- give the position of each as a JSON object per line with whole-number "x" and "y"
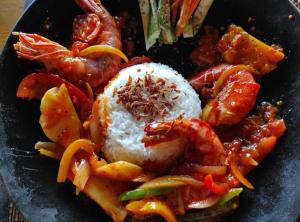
{"x": 31, "y": 179}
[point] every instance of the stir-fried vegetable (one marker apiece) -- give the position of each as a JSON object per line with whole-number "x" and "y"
{"x": 146, "y": 207}
{"x": 71, "y": 150}
{"x": 49, "y": 149}
{"x": 141, "y": 193}
{"x": 120, "y": 170}
{"x": 226, "y": 205}
{"x": 214, "y": 170}
{"x": 59, "y": 119}
{"x": 215, "y": 187}
{"x": 98, "y": 50}
{"x": 205, "y": 203}
{"x": 216, "y": 212}
{"x": 238, "y": 175}
{"x": 144, "y": 177}
{"x": 232, "y": 193}
{"x": 81, "y": 171}
{"x": 171, "y": 181}
{"x": 212, "y": 208}
{"x": 106, "y": 193}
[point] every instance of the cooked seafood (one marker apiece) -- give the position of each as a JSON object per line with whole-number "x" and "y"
{"x": 69, "y": 65}
{"x": 239, "y": 47}
{"x": 232, "y": 96}
{"x": 144, "y": 147}
{"x": 198, "y": 133}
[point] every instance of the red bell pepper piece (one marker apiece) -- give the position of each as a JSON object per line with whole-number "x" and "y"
{"x": 215, "y": 187}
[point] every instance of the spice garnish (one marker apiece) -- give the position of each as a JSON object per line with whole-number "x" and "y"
{"x": 147, "y": 98}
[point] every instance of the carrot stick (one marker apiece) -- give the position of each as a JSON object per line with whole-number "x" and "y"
{"x": 175, "y": 7}
{"x": 193, "y": 6}
{"x": 184, "y": 17}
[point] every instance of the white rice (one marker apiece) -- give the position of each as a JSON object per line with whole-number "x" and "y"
{"x": 124, "y": 133}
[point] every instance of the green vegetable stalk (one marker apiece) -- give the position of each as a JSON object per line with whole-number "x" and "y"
{"x": 153, "y": 28}
{"x": 140, "y": 193}
{"x": 188, "y": 31}
{"x": 150, "y": 25}
{"x": 164, "y": 21}
{"x": 200, "y": 14}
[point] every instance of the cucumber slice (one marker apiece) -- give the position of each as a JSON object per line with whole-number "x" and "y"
{"x": 188, "y": 30}
{"x": 149, "y": 20}
{"x": 153, "y": 28}
{"x": 200, "y": 14}
{"x": 164, "y": 21}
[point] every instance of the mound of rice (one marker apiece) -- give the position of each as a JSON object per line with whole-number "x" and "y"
{"x": 125, "y": 132}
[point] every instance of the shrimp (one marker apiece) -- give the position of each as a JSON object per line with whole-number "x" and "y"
{"x": 203, "y": 81}
{"x": 233, "y": 93}
{"x": 239, "y": 47}
{"x": 197, "y": 131}
{"x": 58, "y": 59}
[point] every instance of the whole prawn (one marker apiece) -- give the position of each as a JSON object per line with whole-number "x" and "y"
{"x": 196, "y": 131}
{"x": 231, "y": 91}
{"x": 97, "y": 26}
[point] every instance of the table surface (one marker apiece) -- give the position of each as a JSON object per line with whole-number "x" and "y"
{"x": 10, "y": 11}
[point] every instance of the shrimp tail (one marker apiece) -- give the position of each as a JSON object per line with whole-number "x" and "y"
{"x": 94, "y": 6}
{"x": 36, "y": 47}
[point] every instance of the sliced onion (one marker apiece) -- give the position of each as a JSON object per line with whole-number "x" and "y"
{"x": 66, "y": 159}
{"x": 214, "y": 170}
{"x": 106, "y": 194}
{"x": 120, "y": 170}
{"x": 50, "y": 149}
{"x": 82, "y": 174}
{"x": 238, "y": 175}
{"x": 96, "y": 50}
{"x": 144, "y": 177}
{"x": 248, "y": 161}
{"x": 171, "y": 181}
{"x": 205, "y": 203}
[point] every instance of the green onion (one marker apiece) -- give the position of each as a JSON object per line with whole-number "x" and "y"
{"x": 232, "y": 193}
{"x": 140, "y": 193}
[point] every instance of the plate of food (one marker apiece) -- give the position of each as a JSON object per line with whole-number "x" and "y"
{"x": 148, "y": 110}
